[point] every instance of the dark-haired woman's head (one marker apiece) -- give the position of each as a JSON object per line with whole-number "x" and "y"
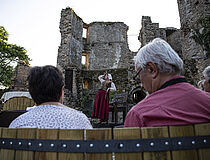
{"x": 45, "y": 84}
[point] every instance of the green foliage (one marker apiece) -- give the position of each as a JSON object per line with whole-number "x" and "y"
{"x": 201, "y": 35}
{"x": 9, "y": 55}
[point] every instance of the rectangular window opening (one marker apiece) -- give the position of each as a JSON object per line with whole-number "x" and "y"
{"x": 85, "y": 60}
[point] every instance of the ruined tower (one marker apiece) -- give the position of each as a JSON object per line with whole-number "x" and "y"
{"x": 104, "y": 46}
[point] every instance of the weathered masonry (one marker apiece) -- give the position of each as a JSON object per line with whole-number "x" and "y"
{"x": 88, "y": 50}
{"x": 103, "y": 46}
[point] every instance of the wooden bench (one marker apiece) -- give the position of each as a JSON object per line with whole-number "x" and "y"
{"x": 18, "y": 103}
{"x": 119, "y": 104}
{"x": 190, "y": 142}
{"x": 13, "y": 108}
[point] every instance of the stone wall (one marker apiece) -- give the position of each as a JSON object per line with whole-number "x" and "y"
{"x": 71, "y": 28}
{"x": 19, "y": 80}
{"x": 150, "y": 30}
{"x": 108, "y": 45}
{"x": 122, "y": 78}
{"x": 190, "y": 12}
{"x": 173, "y": 38}
{"x": 180, "y": 41}
{"x": 107, "y": 48}
{"x": 70, "y": 51}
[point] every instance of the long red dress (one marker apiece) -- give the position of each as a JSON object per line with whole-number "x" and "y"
{"x": 101, "y": 104}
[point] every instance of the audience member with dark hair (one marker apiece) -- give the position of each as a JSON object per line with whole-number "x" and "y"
{"x": 46, "y": 88}
{"x": 172, "y": 100}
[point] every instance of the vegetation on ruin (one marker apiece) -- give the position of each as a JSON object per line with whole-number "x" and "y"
{"x": 10, "y": 54}
{"x": 201, "y": 34}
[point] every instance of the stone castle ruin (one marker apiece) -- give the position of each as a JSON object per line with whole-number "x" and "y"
{"x": 103, "y": 46}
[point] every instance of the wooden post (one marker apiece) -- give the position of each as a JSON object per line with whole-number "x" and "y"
{"x": 181, "y": 131}
{"x": 73, "y": 134}
{"x": 8, "y": 154}
{"x": 202, "y": 130}
{"x": 127, "y": 133}
{"x": 46, "y": 134}
{"x": 27, "y": 133}
{"x": 99, "y": 134}
{"x": 155, "y": 132}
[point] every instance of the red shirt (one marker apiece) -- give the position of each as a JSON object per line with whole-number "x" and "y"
{"x": 177, "y": 104}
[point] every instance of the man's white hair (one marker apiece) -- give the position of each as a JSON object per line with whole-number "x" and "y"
{"x": 159, "y": 52}
{"x": 206, "y": 73}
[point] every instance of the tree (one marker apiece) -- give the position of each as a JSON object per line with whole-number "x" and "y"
{"x": 10, "y": 54}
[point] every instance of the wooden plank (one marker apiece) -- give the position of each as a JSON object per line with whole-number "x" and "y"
{"x": 5, "y": 106}
{"x": 202, "y": 130}
{"x": 27, "y": 133}
{"x": 8, "y": 154}
{"x": 25, "y": 103}
{"x": 99, "y": 134}
{"x": 17, "y": 107}
{"x": 19, "y": 103}
{"x": 127, "y": 133}
{"x": 22, "y": 106}
{"x": 14, "y": 103}
{"x": 155, "y": 132}
{"x": 181, "y": 131}
{"x": 73, "y": 134}
{"x": 46, "y": 134}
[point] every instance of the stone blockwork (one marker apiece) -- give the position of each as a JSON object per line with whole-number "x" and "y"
{"x": 71, "y": 47}
{"x": 86, "y": 95}
{"x": 190, "y": 12}
{"x": 69, "y": 52}
{"x": 108, "y": 45}
{"x": 107, "y": 48}
{"x": 150, "y": 30}
{"x": 19, "y": 80}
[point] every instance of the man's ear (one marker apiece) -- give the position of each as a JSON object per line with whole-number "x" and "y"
{"x": 61, "y": 95}
{"x": 152, "y": 69}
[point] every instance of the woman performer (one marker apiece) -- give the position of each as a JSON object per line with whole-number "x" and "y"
{"x": 101, "y": 103}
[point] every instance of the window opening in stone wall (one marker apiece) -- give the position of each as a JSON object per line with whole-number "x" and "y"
{"x": 84, "y": 33}
{"x": 85, "y": 61}
{"x": 69, "y": 79}
{"x": 85, "y": 84}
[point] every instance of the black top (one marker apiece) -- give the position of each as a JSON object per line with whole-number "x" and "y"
{"x": 173, "y": 81}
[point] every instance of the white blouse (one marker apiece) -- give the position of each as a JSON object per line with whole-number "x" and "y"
{"x": 112, "y": 88}
{"x": 52, "y": 116}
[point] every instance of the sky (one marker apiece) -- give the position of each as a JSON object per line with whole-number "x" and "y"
{"x": 34, "y": 24}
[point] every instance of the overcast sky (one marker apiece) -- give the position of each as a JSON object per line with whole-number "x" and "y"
{"x": 34, "y": 24}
